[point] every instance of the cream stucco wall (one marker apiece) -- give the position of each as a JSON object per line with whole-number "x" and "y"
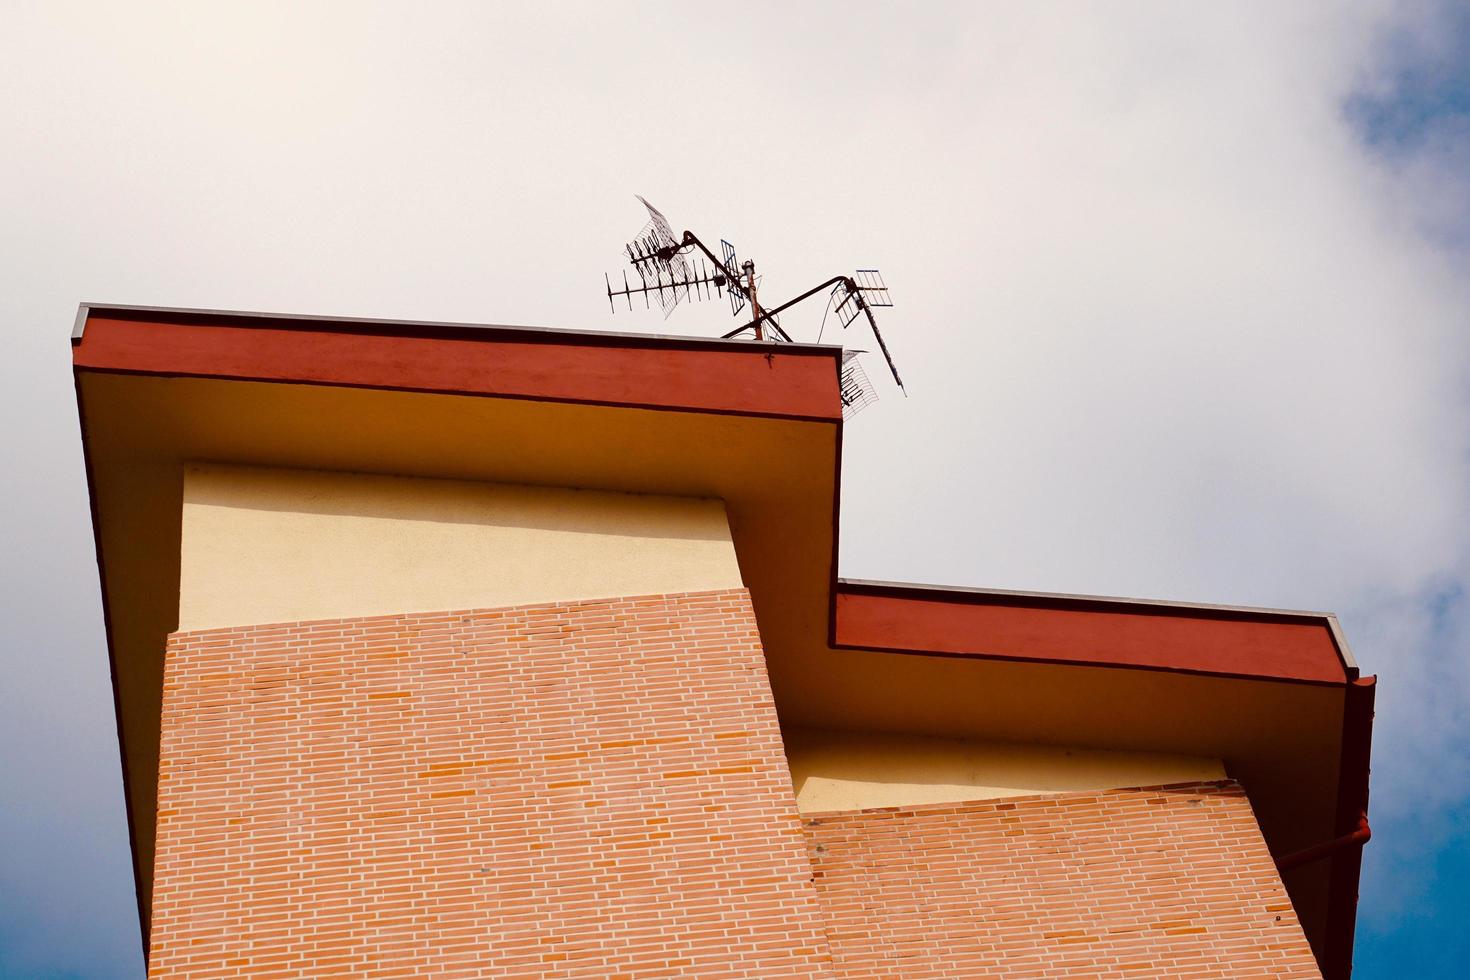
{"x": 266, "y": 546}
{"x": 851, "y": 771}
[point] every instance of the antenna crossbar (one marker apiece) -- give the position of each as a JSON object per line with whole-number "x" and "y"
{"x": 766, "y": 315}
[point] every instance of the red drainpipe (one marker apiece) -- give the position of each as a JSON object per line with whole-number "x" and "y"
{"x": 1357, "y": 838}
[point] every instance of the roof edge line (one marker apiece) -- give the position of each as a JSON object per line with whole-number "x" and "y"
{"x": 79, "y": 370}
{"x": 79, "y": 325}
{"x": 1099, "y": 664}
{"x": 380, "y": 324}
{"x": 961, "y": 591}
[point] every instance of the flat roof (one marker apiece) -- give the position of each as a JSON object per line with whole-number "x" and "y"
{"x": 1276, "y": 694}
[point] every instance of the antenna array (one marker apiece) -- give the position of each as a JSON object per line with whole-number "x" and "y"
{"x": 669, "y": 286}
{"x": 865, "y": 288}
{"x": 666, "y": 275}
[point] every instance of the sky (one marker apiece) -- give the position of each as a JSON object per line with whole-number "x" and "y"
{"x": 1182, "y": 309}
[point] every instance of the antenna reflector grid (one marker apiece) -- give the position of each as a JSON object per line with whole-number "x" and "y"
{"x": 656, "y": 255}
{"x": 853, "y": 385}
{"x": 846, "y": 303}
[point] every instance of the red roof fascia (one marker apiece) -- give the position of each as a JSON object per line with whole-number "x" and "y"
{"x": 1099, "y": 632}
{"x": 790, "y": 381}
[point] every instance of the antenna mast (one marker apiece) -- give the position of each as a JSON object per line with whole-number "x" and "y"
{"x": 755, "y": 306}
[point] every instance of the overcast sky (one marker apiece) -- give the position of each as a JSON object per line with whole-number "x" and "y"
{"x": 1182, "y": 309}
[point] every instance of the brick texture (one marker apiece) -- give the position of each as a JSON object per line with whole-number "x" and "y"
{"x": 590, "y": 789}
{"x": 1168, "y": 881}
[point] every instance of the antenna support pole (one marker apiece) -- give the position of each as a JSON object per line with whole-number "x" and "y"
{"x": 736, "y": 280}
{"x": 755, "y": 307}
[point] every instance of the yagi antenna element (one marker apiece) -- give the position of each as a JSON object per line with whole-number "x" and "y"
{"x": 666, "y": 275}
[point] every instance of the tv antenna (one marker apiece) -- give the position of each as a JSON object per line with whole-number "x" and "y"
{"x": 672, "y": 268}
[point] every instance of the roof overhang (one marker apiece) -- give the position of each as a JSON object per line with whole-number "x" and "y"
{"x": 1274, "y": 694}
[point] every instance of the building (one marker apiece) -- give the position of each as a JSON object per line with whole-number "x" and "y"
{"x": 443, "y": 650}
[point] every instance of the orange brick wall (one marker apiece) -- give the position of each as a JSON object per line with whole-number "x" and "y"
{"x": 590, "y": 789}
{"x": 1163, "y": 882}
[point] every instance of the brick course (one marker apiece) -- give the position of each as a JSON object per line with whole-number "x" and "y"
{"x": 588, "y": 789}
{"x": 1168, "y": 881}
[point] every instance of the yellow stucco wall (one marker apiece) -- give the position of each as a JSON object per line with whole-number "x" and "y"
{"x": 852, "y": 771}
{"x": 266, "y": 545}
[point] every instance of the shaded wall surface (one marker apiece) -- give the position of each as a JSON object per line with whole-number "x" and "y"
{"x": 1169, "y": 881}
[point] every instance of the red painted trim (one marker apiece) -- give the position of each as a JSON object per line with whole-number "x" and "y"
{"x": 1226, "y": 642}
{"x": 1352, "y": 806}
{"x": 746, "y": 379}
